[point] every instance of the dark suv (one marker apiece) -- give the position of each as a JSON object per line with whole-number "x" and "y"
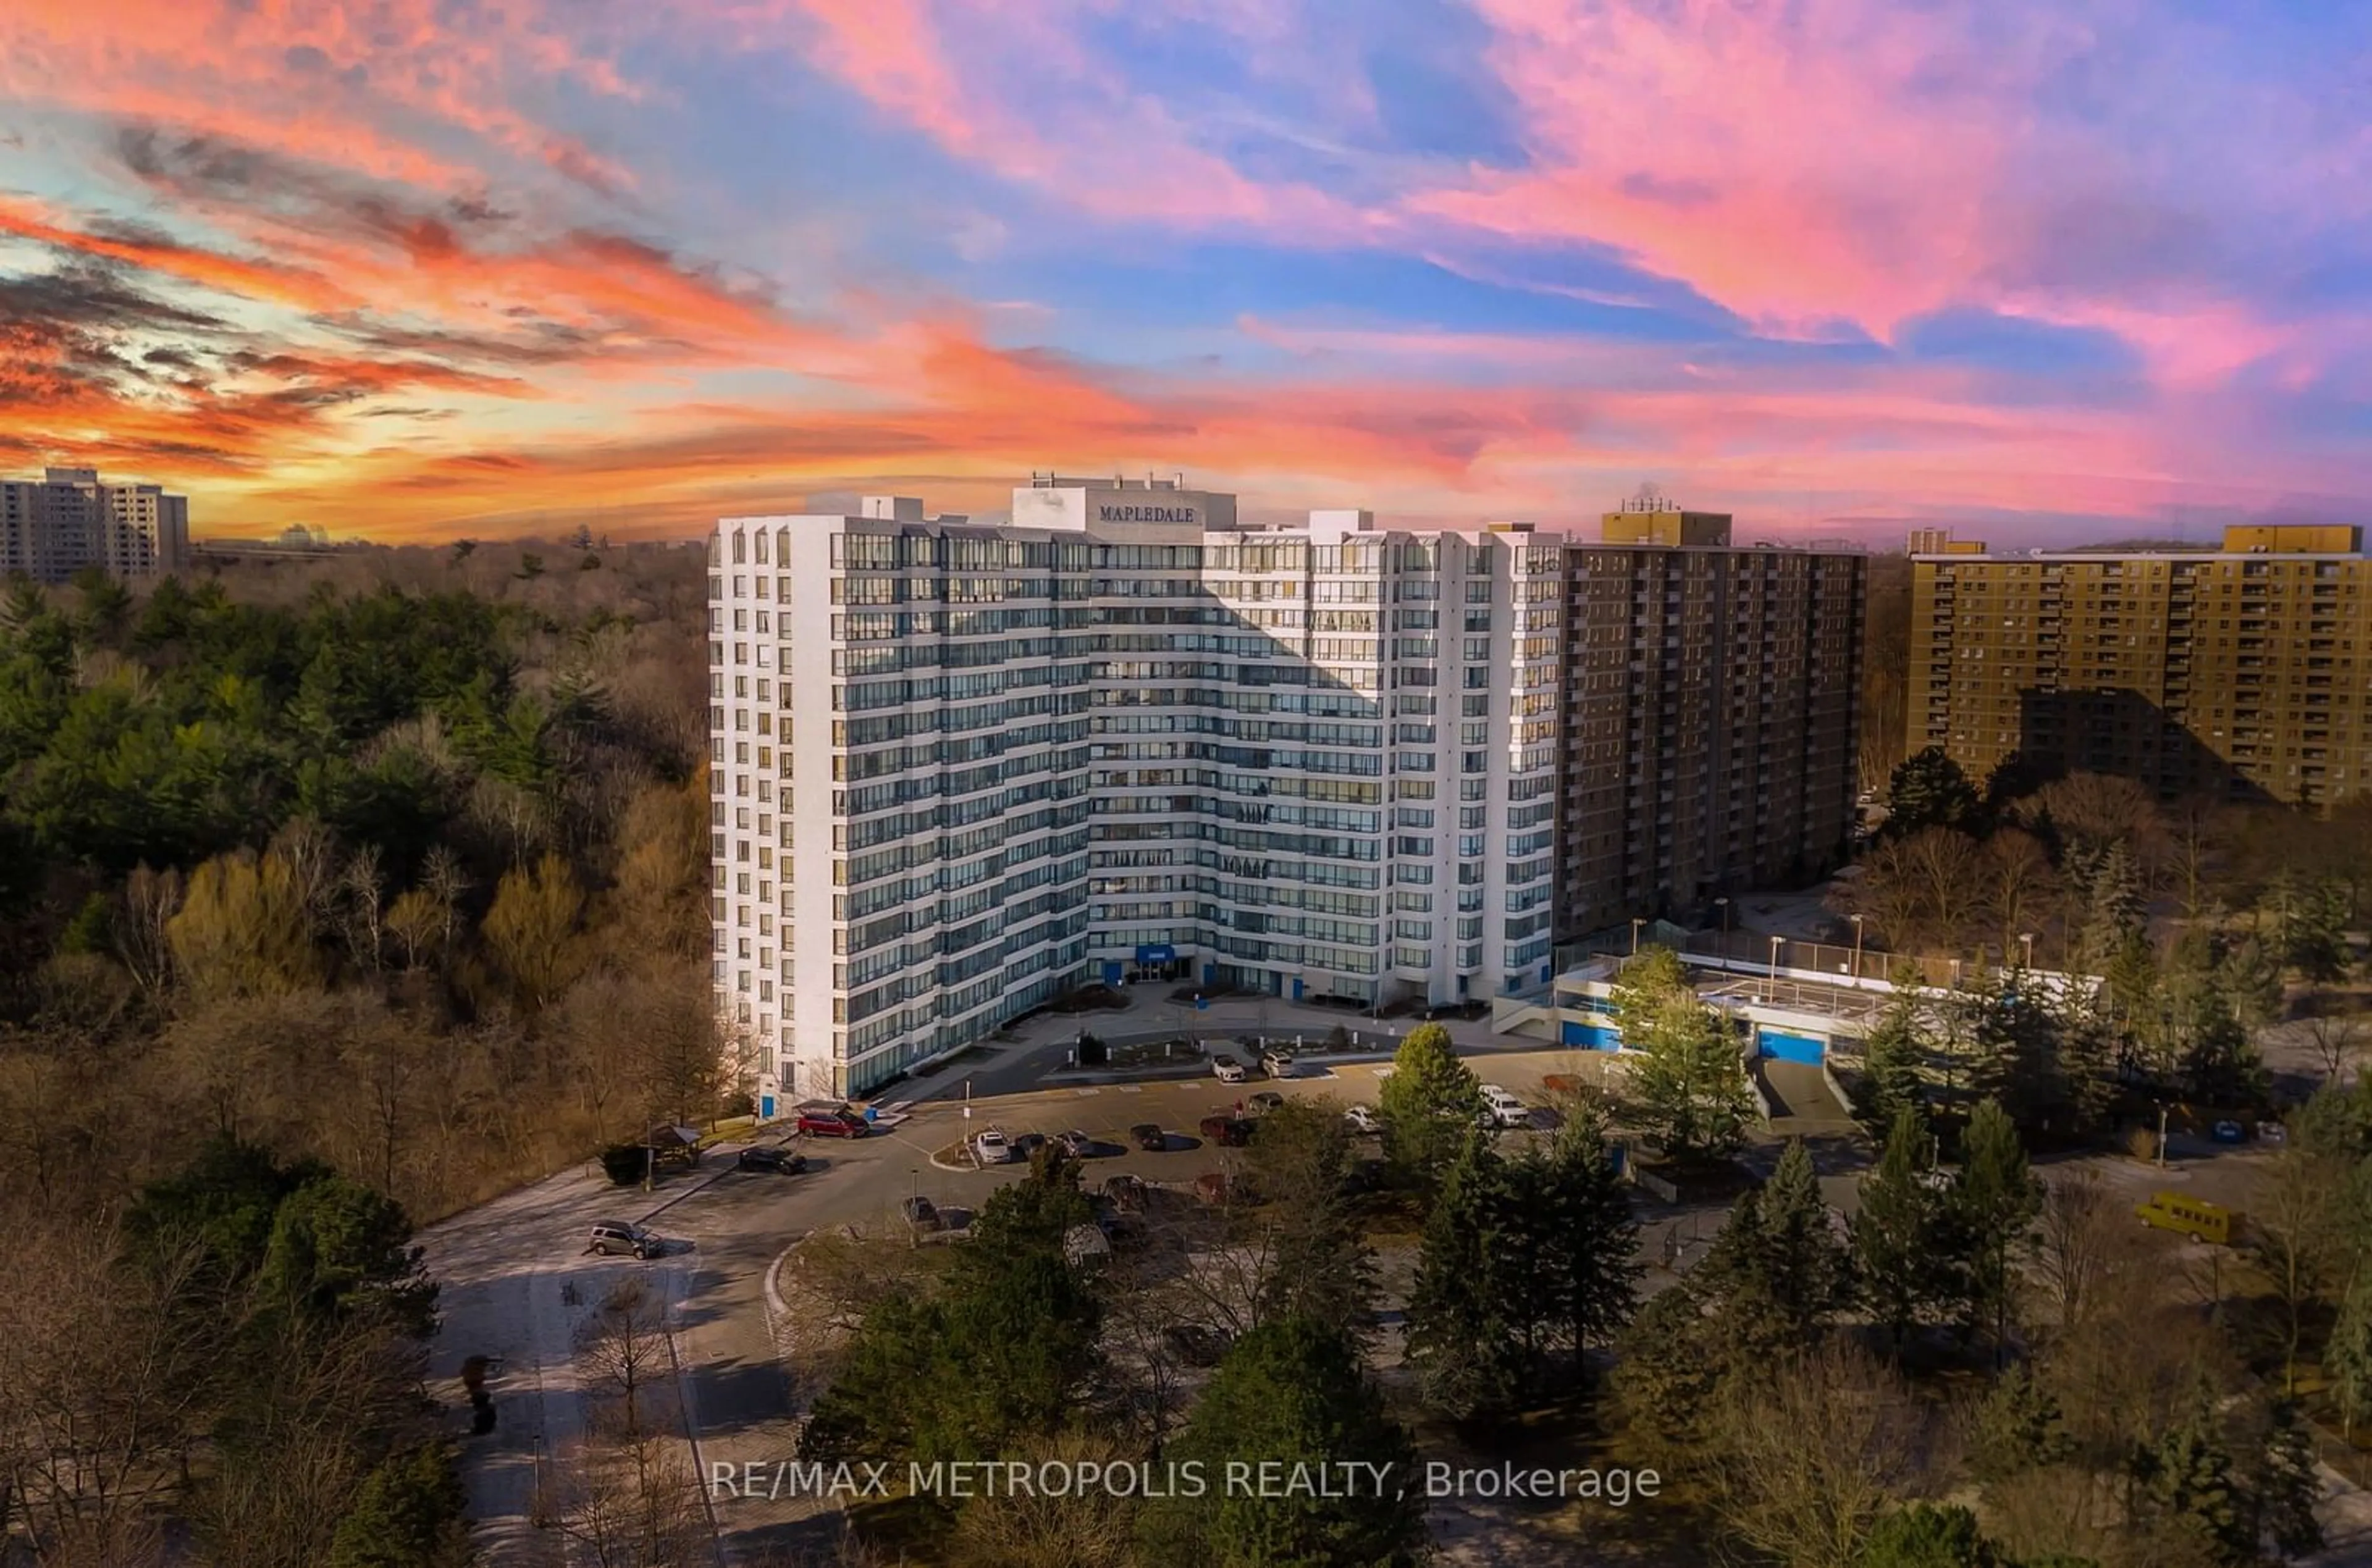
{"x": 831, "y": 1124}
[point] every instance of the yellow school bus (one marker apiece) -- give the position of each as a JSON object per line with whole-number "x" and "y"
{"x": 2194, "y": 1217}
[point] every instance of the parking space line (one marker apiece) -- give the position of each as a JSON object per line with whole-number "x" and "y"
{"x": 1131, "y": 1089}
{"x": 1084, "y": 1094}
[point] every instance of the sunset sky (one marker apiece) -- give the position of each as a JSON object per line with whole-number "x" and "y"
{"x": 420, "y": 269}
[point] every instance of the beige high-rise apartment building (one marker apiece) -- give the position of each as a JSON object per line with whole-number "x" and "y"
{"x": 53, "y": 527}
{"x": 1711, "y": 715}
{"x": 2237, "y": 672}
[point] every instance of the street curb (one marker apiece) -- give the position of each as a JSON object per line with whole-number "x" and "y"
{"x": 777, "y": 1310}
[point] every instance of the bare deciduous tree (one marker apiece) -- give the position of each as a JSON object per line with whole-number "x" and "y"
{"x": 2336, "y": 1039}
{"x": 1814, "y": 1450}
{"x": 2020, "y": 887}
{"x": 2081, "y": 1236}
{"x": 623, "y": 1357}
{"x": 1922, "y": 890}
{"x": 1091, "y": 1528}
{"x": 150, "y": 900}
{"x": 631, "y": 1503}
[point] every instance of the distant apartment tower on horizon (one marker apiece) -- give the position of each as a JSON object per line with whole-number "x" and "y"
{"x": 52, "y": 526}
{"x": 2238, "y": 673}
{"x": 958, "y": 769}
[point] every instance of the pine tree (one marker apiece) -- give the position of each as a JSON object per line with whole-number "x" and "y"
{"x": 2190, "y": 1481}
{"x": 1927, "y": 1535}
{"x": 2249, "y": 977}
{"x": 1669, "y": 1366}
{"x": 2019, "y": 1428}
{"x": 1776, "y": 1272}
{"x": 2017, "y": 1051}
{"x": 2114, "y": 904}
{"x": 2312, "y": 932}
{"x": 1895, "y": 1234}
{"x": 1928, "y": 790}
{"x": 2221, "y": 1066}
{"x": 2287, "y": 1486}
{"x": 2347, "y": 1358}
{"x": 409, "y": 1513}
{"x": 1890, "y": 1079}
{"x": 1811, "y": 1272}
{"x": 1465, "y": 1308}
{"x": 1995, "y": 1201}
{"x": 2089, "y": 1052}
{"x": 1590, "y": 1267}
{"x": 1687, "y": 1084}
{"x": 1293, "y": 1393}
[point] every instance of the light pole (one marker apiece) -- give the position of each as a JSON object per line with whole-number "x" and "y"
{"x": 1637, "y": 922}
{"x": 1723, "y": 905}
{"x": 2161, "y": 1134}
{"x": 1776, "y": 943}
{"x": 1856, "y": 920}
{"x": 913, "y": 1202}
{"x": 2027, "y": 938}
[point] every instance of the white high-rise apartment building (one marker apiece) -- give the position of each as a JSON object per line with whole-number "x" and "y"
{"x": 55, "y": 526}
{"x": 959, "y": 768}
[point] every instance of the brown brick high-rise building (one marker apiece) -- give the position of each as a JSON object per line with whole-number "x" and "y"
{"x": 2237, "y": 672}
{"x": 1711, "y": 714}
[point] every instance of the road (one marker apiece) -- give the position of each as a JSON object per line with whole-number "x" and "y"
{"x": 516, "y": 1282}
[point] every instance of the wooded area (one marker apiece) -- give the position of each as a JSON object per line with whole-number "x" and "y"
{"x": 378, "y": 884}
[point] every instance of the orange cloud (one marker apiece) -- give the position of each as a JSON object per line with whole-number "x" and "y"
{"x": 156, "y": 252}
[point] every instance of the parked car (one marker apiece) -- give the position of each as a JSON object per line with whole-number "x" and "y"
{"x": 1225, "y": 1187}
{"x": 1125, "y": 1193}
{"x": 1227, "y": 1132}
{"x": 992, "y": 1147}
{"x": 1266, "y": 1101}
{"x": 1085, "y": 1245}
{"x": 2272, "y": 1133}
{"x": 1196, "y": 1344}
{"x": 1495, "y": 1094}
{"x": 619, "y": 1236}
{"x": 1077, "y": 1144}
{"x": 1148, "y": 1136}
{"x": 841, "y": 1123}
{"x": 1277, "y": 1064}
{"x": 1121, "y": 1229}
{"x": 1363, "y": 1120}
{"x": 921, "y": 1214}
{"x": 768, "y": 1157}
{"x": 1227, "y": 1070}
{"x": 2229, "y": 1132}
{"x": 1507, "y": 1113}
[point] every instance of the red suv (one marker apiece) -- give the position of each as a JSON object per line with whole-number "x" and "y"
{"x": 832, "y": 1123}
{"x": 1227, "y": 1132}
